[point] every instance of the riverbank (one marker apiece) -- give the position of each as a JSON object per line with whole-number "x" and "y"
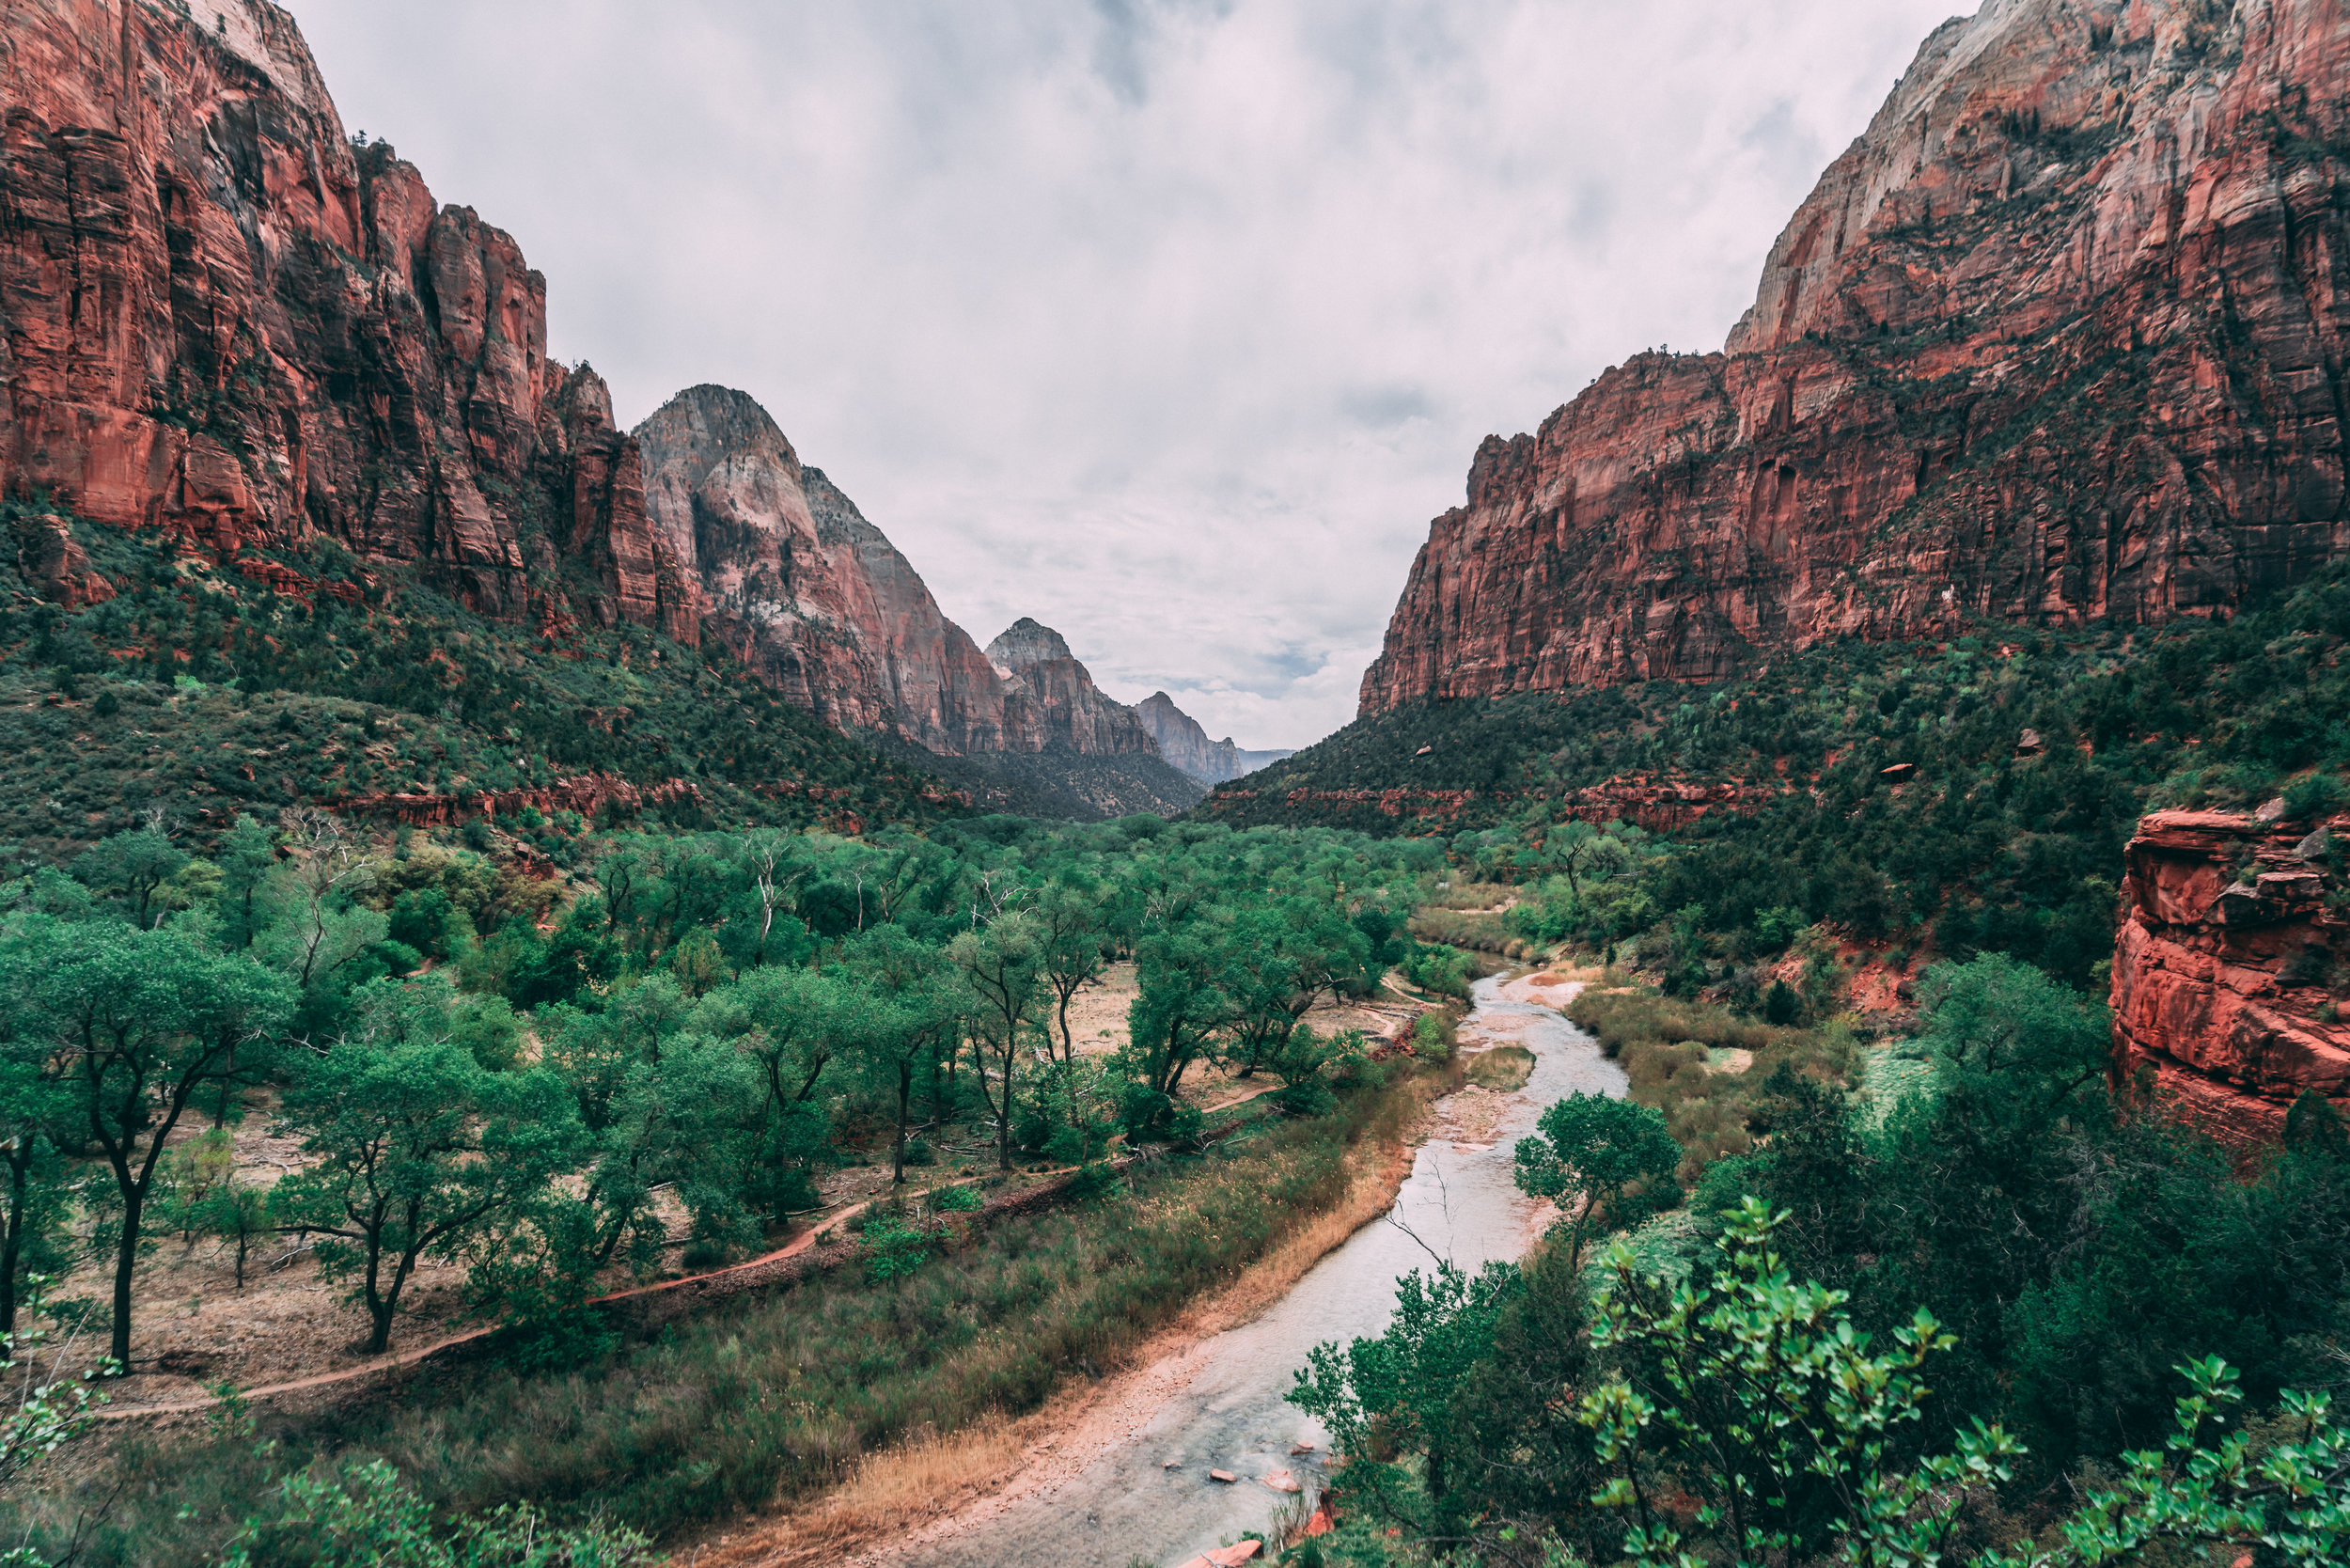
{"x": 935, "y": 1485}
{"x": 773, "y": 1398}
{"x": 1122, "y": 1471}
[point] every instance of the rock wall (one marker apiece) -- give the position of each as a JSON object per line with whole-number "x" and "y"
{"x": 2227, "y": 966}
{"x": 1184, "y": 743}
{"x": 2059, "y": 339}
{"x": 792, "y": 577}
{"x": 225, "y": 319}
{"x": 1051, "y": 702}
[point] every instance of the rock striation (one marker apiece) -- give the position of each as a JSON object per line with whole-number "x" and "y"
{"x": 224, "y": 318}
{"x": 2228, "y": 968}
{"x": 2059, "y": 339}
{"x": 792, "y": 577}
{"x": 1184, "y": 743}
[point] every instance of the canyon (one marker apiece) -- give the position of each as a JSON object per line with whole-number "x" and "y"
{"x": 228, "y": 321}
{"x": 2058, "y": 339}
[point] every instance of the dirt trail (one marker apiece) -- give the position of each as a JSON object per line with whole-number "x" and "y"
{"x": 394, "y": 1360}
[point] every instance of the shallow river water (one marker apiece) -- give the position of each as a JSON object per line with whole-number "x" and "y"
{"x": 1459, "y": 1200}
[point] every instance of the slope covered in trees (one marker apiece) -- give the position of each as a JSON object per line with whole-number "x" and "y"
{"x": 2020, "y": 761}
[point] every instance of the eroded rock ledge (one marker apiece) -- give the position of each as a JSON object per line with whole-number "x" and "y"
{"x": 2223, "y": 1005}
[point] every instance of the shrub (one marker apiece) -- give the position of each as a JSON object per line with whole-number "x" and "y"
{"x": 956, "y": 1199}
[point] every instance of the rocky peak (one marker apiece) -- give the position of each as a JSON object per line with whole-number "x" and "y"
{"x": 800, "y": 586}
{"x": 1184, "y": 744}
{"x": 1052, "y": 696}
{"x": 1024, "y": 643}
{"x": 2059, "y": 339}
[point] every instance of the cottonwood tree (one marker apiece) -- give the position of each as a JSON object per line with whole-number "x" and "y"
{"x": 1182, "y": 1005}
{"x": 693, "y": 1119}
{"x": 1608, "y": 1165}
{"x": 246, "y": 854}
{"x": 932, "y": 1005}
{"x": 595, "y": 1051}
{"x": 768, "y": 857}
{"x": 133, "y": 866}
{"x": 1068, "y": 926}
{"x": 414, "y": 1149}
{"x": 141, "y": 1021}
{"x": 1002, "y": 965}
{"x": 796, "y": 1025}
{"x": 319, "y": 925}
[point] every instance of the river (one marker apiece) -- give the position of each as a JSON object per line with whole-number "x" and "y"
{"x": 1459, "y": 1202}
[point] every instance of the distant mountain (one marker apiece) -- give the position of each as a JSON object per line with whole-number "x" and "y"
{"x": 789, "y": 575}
{"x": 1181, "y": 742}
{"x": 234, "y": 330}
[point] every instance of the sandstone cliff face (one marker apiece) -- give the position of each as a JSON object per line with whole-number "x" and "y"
{"x": 2226, "y": 968}
{"x": 1051, "y": 702}
{"x": 801, "y": 587}
{"x": 791, "y": 577}
{"x": 2059, "y": 339}
{"x": 1184, "y": 743}
{"x": 224, "y": 320}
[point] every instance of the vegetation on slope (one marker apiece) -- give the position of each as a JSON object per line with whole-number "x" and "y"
{"x": 1995, "y": 844}
{"x": 207, "y": 692}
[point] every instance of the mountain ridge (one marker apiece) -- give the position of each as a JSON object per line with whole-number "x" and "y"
{"x": 2058, "y": 339}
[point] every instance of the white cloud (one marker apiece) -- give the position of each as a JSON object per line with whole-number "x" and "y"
{"x": 1170, "y": 322}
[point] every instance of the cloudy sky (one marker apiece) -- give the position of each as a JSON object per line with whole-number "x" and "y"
{"x": 1170, "y": 323}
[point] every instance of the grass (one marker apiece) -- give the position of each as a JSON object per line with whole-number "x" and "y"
{"x": 771, "y": 1402}
{"x": 1484, "y": 933}
{"x": 1704, "y": 1065}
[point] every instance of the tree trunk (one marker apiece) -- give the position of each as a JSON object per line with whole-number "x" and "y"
{"x": 1003, "y": 1122}
{"x": 379, "y": 1310}
{"x": 126, "y": 1264}
{"x": 12, "y": 1246}
{"x": 905, "y": 1092}
{"x": 380, "y": 1316}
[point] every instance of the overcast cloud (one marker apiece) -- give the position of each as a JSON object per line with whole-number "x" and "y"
{"x": 1170, "y": 323}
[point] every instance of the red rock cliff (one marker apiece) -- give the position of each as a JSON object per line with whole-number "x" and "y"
{"x": 1051, "y": 702}
{"x": 2059, "y": 339}
{"x": 2225, "y": 969}
{"x": 803, "y": 589}
{"x": 221, "y": 318}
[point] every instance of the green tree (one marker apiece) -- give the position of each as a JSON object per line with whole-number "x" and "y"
{"x": 417, "y": 1147}
{"x": 1179, "y": 1006}
{"x": 692, "y": 1118}
{"x": 142, "y": 1020}
{"x": 1069, "y": 925}
{"x": 1608, "y": 1165}
{"x": 133, "y": 866}
{"x": 246, "y": 854}
{"x": 34, "y": 1105}
{"x": 1002, "y": 966}
{"x": 921, "y": 983}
